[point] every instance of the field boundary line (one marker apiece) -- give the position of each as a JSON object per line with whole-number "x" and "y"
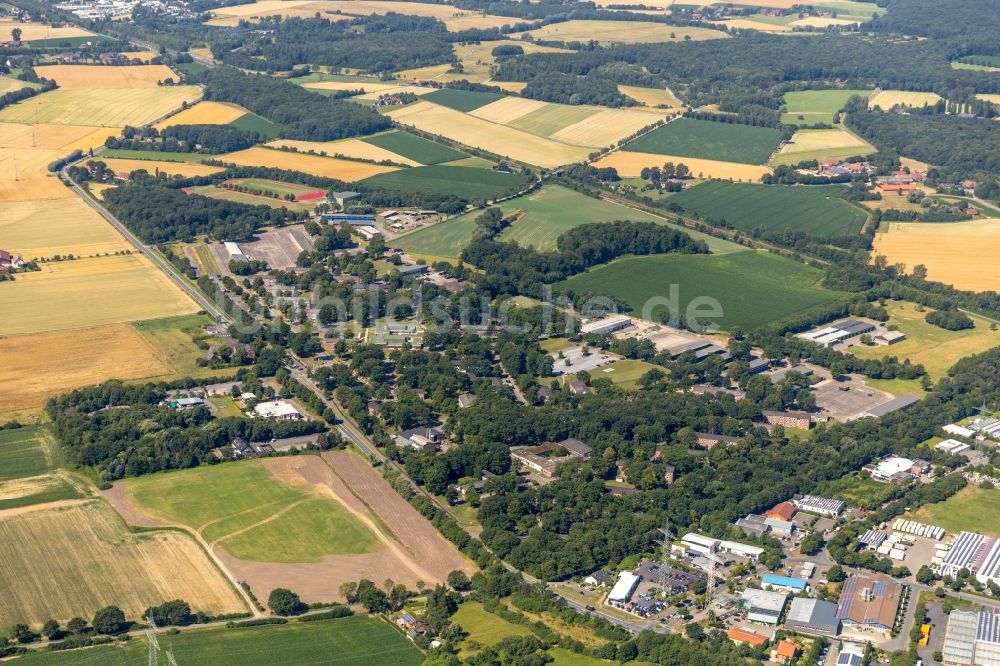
{"x": 265, "y": 521}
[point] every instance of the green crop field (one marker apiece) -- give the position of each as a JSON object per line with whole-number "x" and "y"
{"x": 816, "y": 106}
{"x": 484, "y": 627}
{"x": 551, "y": 118}
{"x": 752, "y": 288}
{"x": 273, "y": 523}
{"x": 727, "y": 142}
{"x": 172, "y": 338}
{"x": 813, "y": 210}
{"x": 273, "y": 186}
{"x": 152, "y": 155}
{"x": 213, "y": 192}
{"x": 26, "y": 451}
{"x": 466, "y": 182}
{"x": 545, "y": 214}
{"x": 625, "y": 373}
{"x": 254, "y": 123}
{"x": 964, "y": 510}
{"x": 462, "y": 100}
{"x": 349, "y": 641}
{"x": 415, "y": 148}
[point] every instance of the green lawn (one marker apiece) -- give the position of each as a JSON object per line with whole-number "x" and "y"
{"x": 466, "y": 182}
{"x": 485, "y": 628}
{"x": 253, "y": 515}
{"x": 213, "y": 192}
{"x": 172, "y": 338}
{"x": 546, "y": 213}
{"x": 967, "y": 510}
{"x": 706, "y": 139}
{"x": 26, "y": 451}
{"x": 752, "y": 288}
{"x": 462, "y": 100}
{"x": 624, "y": 373}
{"x": 152, "y": 155}
{"x": 273, "y": 186}
{"x": 935, "y": 348}
{"x": 815, "y": 210}
{"x": 415, "y": 148}
{"x": 857, "y": 491}
{"x": 255, "y": 123}
{"x": 816, "y": 106}
{"x": 350, "y": 641}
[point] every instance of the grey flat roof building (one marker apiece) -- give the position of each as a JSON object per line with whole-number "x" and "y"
{"x": 813, "y": 616}
{"x": 894, "y": 405}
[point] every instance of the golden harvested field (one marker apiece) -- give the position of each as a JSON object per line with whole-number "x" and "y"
{"x": 32, "y": 188}
{"x": 89, "y": 292}
{"x": 992, "y": 99}
{"x": 39, "y": 366}
{"x": 32, "y": 31}
{"x": 750, "y": 24}
{"x": 52, "y": 137}
{"x": 508, "y": 109}
{"x": 962, "y": 254}
{"x": 9, "y": 84}
{"x": 72, "y": 558}
{"x": 660, "y": 4}
{"x": 608, "y": 126}
{"x": 821, "y": 22}
{"x": 651, "y": 96}
{"x": 230, "y": 16}
{"x": 70, "y": 77}
{"x": 476, "y": 21}
{"x": 19, "y": 163}
{"x": 121, "y": 165}
{"x": 509, "y": 86}
{"x": 367, "y": 86}
{"x": 416, "y": 90}
{"x": 477, "y": 59}
{"x": 348, "y": 148}
{"x": 630, "y": 164}
{"x": 886, "y": 99}
{"x": 471, "y": 131}
{"x": 41, "y": 229}
{"x": 318, "y": 166}
{"x": 820, "y": 144}
{"x": 144, "y": 56}
{"x": 624, "y": 32}
{"x": 204, "y": 113}
{"x": 429, "y": 73}
{"x": 109, "y": 107}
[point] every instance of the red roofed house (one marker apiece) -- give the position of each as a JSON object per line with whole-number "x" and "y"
{"x": 8, "y": 260}
{"x": 785, "y": 652}
{"x": 738, "y": 635}
{"x": 782, "y": 511}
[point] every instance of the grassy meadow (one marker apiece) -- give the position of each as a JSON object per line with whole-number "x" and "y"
{"x": 415, "y": 148}
{"x": 466, "y": 182}
{"x": 818, "y": 211}
{"x": 462, "y": 100}
{"x": 26, "y": 451}
{"x": 964, "y": 510}
{"x": 274, "y": 523}
{"x": 752, "y": 288}
{"x": 809, "y": 107}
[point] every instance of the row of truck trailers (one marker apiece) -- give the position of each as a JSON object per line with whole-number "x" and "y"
{"x": 919, "y": 529}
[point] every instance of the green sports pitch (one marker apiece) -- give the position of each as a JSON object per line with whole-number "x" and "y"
{"x": 815, "y": 210}
{"x": 415, "y": 148}
{"x": 350, "y": 641}
{"x": 752, "y": 288}
{"x": 709, "y": 140}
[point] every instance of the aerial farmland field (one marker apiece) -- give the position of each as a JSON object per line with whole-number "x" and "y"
{"x": 651, "y": 96}
{"x": 31, "y": 32}
{"x": 729, "y": 142}
{"x": 346, "y": 170}
{"x": 71, "y": 558}
{"x": 349, "y": 641}
{"x": 113, "y": 107}
{"x": 501, "y": 140}
{"x": 469, "y": 182}
{"x": 204, "y": 113}
{"x": 155, "y": 167}
{"x": 822, "y": 144}
{"x": 8, "y": 84}
{"x": 91, "y": 77}
{"x": 356, "y": 148}
{"x": 89, "y": 292}
{"x": 808, "y": 107}
{"x": 630, "y": 165}
{"x": 753, "y": 288}
{"x": 413, "y": 147}
{"x": 462, "y": 100}
{"x": 886, "y": 99}
{"x": 27, "y": 451}
{"x": 624, "y": 32}
{"x": 956, "y": 253}
{"x": 44, "y": 228}
{"x": 814, "y": 210}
